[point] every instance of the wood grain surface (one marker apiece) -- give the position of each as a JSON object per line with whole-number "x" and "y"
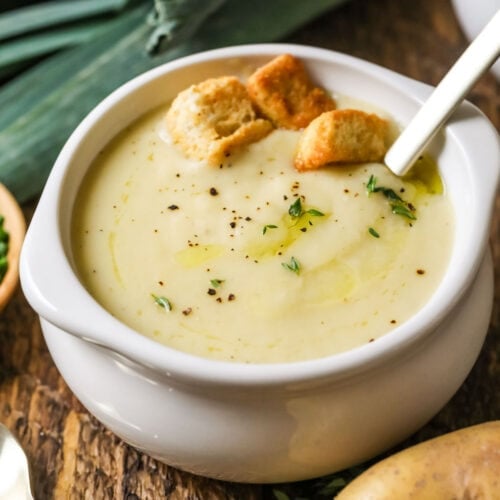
{"x": 73, "y": 456}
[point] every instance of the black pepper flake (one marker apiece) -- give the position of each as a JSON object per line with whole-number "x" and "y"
{"x": 187, "y": 311}
{"x": 393, "y": 321}
{"x": 420, "y": 271}
{"x": 248, "y": 219}
{"x": 232, "y": 224}
{"x": 372, "y": 340}
{"x": 219, "y": 300}
{"x": 160, "y": 283}
{"x": 211, "y": 291}
{"x": 213, "y": 191}
{"x": 231, "y": 297}
{"x": 173, "y": 207}
{"x": 303, "y": 229}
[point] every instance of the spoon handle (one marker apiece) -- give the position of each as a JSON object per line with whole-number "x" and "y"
{"x": 452, "y": 89}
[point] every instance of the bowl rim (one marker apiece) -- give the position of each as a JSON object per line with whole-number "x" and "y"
{"x": 169, "y": 361}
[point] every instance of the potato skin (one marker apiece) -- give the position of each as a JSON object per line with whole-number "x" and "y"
{"x": 460, "y": 465}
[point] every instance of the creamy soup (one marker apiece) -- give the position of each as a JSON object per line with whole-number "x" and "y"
{"x": 253, "y": 261}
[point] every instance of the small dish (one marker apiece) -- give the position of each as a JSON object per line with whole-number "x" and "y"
{"x": 15, "y": 225}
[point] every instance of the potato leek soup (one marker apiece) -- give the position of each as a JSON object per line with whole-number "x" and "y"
{"x": 252, "y": 261}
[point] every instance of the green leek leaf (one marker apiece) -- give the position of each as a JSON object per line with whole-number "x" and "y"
{"x": 34, "y": 17}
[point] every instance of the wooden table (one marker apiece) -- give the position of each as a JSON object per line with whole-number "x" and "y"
{"x": 73, "y": 456}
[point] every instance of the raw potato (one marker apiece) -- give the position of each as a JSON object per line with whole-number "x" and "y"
{"x": 461, "y": 465}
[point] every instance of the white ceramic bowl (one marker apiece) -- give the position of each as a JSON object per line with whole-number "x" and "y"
{"x": 282, "y": 422}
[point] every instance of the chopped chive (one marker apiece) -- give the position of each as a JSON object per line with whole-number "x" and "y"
{"x": 162, "y": 302}
{"x": 4, "y": 249}
{"x": 373, "y": 232}
{"x": 3, "y": 267}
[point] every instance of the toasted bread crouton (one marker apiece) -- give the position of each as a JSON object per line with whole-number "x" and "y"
{"x": 283, "y": 92}
{"x": 342, "y": 136}
{"x": 212, "y": 119}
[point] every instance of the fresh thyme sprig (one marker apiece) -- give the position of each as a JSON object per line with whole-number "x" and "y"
{"x": 296, "y": 210}
{"x": 293, "y": 265}
{"x": 162, "y": 302}
{"x": 397, "y": 204}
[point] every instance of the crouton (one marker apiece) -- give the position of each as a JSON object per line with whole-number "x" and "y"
{"x": 342, "y": 136}
{"x": 214, "y": 118}
{"x": 282, "y": 91}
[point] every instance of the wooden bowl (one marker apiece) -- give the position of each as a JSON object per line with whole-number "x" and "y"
{"x": 15, "y": 225}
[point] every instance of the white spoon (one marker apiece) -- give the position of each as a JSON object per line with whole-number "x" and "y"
{"x": 450, "y": 92}
{"x": 14, "y": 470}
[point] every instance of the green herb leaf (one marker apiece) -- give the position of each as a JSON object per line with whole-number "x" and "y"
{"x": 268, "y": 226}
{"x": 295, "y": 209}
{"x": 4, "y": 265}
{"x": 333, "y": 487}
{"x": 402, "y": 209}
{"x": 216, "y": 283}
{"x": 293, "y": 265}
{"x": 390, "y": 194}
{"x": 371, "y": 184}
{"x": 397, "y": 204}
{"x": 280, "y": 495}
{"x": 4, "y": 249}
{"x": 315, "y": 213}
{"x": 162, "y": 302}
{"x": 373, "y": 232}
